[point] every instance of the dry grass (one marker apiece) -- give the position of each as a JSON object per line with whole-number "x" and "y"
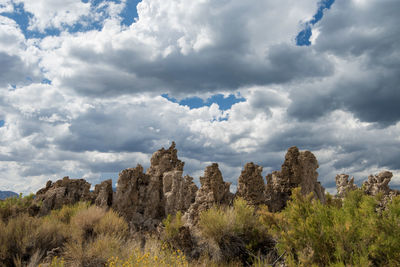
{"x": 65, "y": 214}
{"x": 112, "y": 224}
{"x": 235, "y": 233}
{"x": 154, "y": 254}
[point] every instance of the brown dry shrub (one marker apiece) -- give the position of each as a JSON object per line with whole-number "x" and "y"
{"x": 50, "y": 234}
{"x": 96, "y": 252}
{"x": 112, "y": 224}
{"x": 17, "y": 238}
{"x": 83, "y": 223}
{"x": 68, "y": 211}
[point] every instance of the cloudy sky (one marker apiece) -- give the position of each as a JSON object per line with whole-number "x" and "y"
{"x": 88, "y": 88}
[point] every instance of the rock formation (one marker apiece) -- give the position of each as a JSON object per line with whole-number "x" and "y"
{"x": 378, "y": 184}
{"x": 103, "y": 194}
{"x": 179, "y": 193}
{"x": 298, "y": 170}
{"x": 343, "y": 185}
{"x": 162, "y": 161}
{"x": 145, "y": 198}
{"x": 251, "y": 185}
{"x": 63, "y": 192}
{"x": 131, "y": 199}
{"x": 213, "y": 191}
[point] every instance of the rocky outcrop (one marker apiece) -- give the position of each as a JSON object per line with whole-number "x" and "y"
{"x": 162, "y": 161}
{"x": 298, "y": 170}
{"x": 251, "y": 185}
{"x": 344, "y": 185}
{"x": 131, "y": 199}
{"x": 213, "y": 191}
{"x": 375, "y": 184}
{"x": 103, "y": 194}
{"x": 146, "y": 198}
{"x": 378, "y": 184}
{"x": 179, "y": 193}
{"x": 63, "y": 192}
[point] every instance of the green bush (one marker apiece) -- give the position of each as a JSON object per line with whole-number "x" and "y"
{"x": 351, "y": 233}
{"x": 172, "y": 224}
{"x": 14, "y": 206}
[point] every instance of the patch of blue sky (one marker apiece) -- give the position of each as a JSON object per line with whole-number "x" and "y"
{"x": 22, "y": 18}
{"x": 129, "y": 14}
{"x": 46, "y": 81}
{"x": 2, "y": 122}
{"x": 303, "y": 37}
{"x": 223, "y": 102}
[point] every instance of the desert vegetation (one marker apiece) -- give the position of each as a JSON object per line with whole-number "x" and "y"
{"x": 353, "y": 231}
{"x": 159, "y": 218}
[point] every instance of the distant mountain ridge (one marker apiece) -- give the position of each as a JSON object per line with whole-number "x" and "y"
{"x": 7, "y": 194}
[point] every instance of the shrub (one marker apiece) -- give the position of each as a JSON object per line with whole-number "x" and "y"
{"x": 386, "y": 248}
{"x": 172, "y": 225}
{"x": 111, "y": 224}
{"x": 348, "y": 233}
{"x": 95, "y": 252}
{"x": 13, "y": 206}
{"x": 68, "y": 211}
{"x": 50, "y": 234}
{"x": 17, "y": 239}
{"x": 84, "y": 221}
{"x": 150, "y": 256}
{"x": 237, "y": 231}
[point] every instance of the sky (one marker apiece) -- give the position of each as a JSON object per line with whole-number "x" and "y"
{"x": 89, "y": 88}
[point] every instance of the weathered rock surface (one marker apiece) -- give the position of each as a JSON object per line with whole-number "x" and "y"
{"x": 298, "y": 170}
{"x": 162, "y": 161}
{"x": 179, "y": 193}
{"x": 63, "y": 192}
{"x": 131, "y": 199}
{"x": 344, "y": 185}
{"x": 378, "y": 184}
{"x": 103, "y": 194}
{"x": 213, "y": 191}
{"x": 251, "y": 185}
{"x": 145, "y": 198}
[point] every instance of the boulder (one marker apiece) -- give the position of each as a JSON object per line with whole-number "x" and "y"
{"x": 298, "y": 170}
{"x": 251, "y": 185}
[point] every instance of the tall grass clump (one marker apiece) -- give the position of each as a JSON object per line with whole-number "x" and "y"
{"x": 154, "y": 254}
{"x": 237, "y": 232}
{"x": 82, "y": 235}
{"x": 16, "y": 238}
{"x": 95, "y": 236}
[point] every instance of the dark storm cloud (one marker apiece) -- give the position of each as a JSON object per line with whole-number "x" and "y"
{"x": 99, "y": 130}
{"x": 207, "y": 71}
{"x": 367, "y": 35}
